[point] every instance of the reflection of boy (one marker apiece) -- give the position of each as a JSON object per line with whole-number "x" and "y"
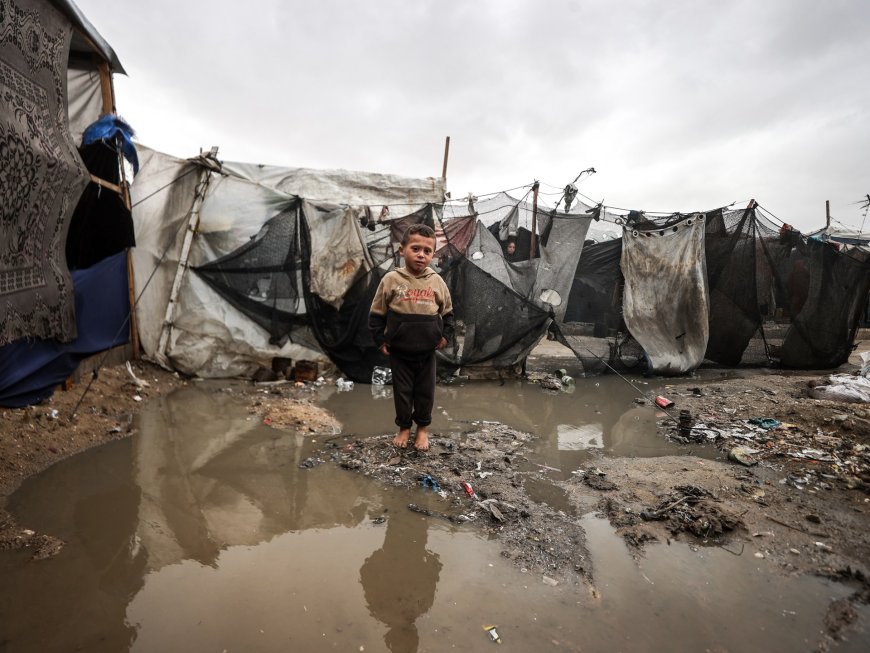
{"x": 410, "y": 318}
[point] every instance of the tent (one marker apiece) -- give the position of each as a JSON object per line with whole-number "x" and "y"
{"x": 55, "y": 80}
{"x": 219, "y": 257}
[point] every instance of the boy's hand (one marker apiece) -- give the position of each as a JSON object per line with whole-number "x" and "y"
{"x": 386, "y": 350}
{"x": 442, "y": 343}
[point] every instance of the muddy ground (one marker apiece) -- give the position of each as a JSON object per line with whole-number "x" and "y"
{"x": 802, "y": 502}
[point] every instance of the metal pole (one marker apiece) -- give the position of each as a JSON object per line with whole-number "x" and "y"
{"x": 828, "y": 213}
{"x": 534, "y": 242}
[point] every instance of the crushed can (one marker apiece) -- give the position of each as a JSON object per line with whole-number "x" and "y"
{"x": 663, "y": 402}
{"x": 468, "y": 490}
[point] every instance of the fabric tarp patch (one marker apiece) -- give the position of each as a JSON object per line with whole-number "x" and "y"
{"x": 41, "y": 174}
{"x": 666, "y": 302}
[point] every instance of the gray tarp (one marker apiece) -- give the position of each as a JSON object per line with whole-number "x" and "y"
{"x": 666, "y": 300}
{"x": 338, "y": 256}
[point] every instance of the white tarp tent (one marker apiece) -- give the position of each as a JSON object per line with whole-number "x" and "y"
{"x": 226, "y": 204}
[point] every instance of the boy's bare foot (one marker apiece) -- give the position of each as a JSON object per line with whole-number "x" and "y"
{"x": 401, "y": 440}
{"x": 421, "y": 440}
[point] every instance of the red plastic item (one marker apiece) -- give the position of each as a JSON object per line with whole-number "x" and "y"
{"x": 663, "y": 402}
{"x": 468, "y": 489}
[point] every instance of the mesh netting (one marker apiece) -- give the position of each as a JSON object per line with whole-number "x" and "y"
{"x": 776, "y": 297}
{"x": 494, "y": 324}
{"x": 262, "y": 279}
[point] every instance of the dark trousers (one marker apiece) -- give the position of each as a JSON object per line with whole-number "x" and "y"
{"x": 413, "y": 389}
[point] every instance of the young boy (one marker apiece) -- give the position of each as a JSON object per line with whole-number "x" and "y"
{"x": 411, "y": 317}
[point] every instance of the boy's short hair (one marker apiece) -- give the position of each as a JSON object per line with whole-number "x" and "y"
{"x": 418, "y": 230}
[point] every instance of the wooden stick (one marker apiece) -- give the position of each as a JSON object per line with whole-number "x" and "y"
{"x": 446, "y": 154}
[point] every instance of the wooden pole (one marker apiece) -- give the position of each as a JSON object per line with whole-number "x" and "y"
{"x": 190, "y": 233}
{"x": 828, "y": 213}
{"x": 446, "y": 153}
{"x": 534, "y": 243}
{"x": 107, "y": 89}
{"x": 106, "y": 86}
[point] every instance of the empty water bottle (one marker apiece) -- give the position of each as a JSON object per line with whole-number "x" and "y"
{"x": 343, "y": 385}
{"x": 382, "y": 376}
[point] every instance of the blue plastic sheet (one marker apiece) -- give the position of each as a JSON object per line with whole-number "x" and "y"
{"x": 30, "y": 370}
{"x": 106, "y": 128}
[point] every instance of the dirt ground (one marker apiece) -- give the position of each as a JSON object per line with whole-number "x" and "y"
{"x": 800, "y": 498}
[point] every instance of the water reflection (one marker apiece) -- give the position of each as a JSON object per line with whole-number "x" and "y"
{"x": 399, "y": 581}
{"x": 600, "y": 417}
{"x": 202, "y": 534}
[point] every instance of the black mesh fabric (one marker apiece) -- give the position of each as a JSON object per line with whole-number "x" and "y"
{"x": 494, "y": 324}
{"x": 776, "y": 297}
{"x": 830, "y": 289}
{"x": 262, "y": 279}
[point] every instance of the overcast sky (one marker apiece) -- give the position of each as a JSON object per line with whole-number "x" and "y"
{"x": 680, "y": 105}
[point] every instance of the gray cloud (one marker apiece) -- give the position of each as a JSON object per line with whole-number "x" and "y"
{"x": 679, "y": 105}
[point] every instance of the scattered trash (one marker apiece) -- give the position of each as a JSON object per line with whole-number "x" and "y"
{"x": 547, "y": 467}
{"x": 137, "y": 398}
{"x": 663, "y": 402}
{"x": 139, "y": 383}
{"x": 822, "y": 546}
{"x": 685, "y": 423}
{"x": 493, "y": 634}
{"x": 53, "y": 414}
{"x": 468, "y": 489}
{"x": 743, "y": 455}
{"x": 428, "y": 482}
{"x": 550, "y": 383}
{"x": 382, "y": 376}
{"x": 267, "y": 421}
{"x": 344, "y": 385}
{"x": 844, "y": 387}
{"x": 766, "y": 423}
{"x": 308, "y": 463}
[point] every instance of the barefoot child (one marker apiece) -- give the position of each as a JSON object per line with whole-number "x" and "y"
{"x": 410, "y": 318}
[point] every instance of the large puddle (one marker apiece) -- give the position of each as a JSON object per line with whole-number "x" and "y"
{"x": 201, "y": 533}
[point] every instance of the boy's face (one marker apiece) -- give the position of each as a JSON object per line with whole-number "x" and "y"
{"x": 417, "y": 253}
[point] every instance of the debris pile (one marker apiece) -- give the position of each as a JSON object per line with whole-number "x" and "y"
{"x": 692, "y": 509}
{"x": 477, "y": 478}
{"x": 832, "y": 438}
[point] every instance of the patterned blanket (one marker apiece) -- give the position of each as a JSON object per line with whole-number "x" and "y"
{"x": 41, "y": 173}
